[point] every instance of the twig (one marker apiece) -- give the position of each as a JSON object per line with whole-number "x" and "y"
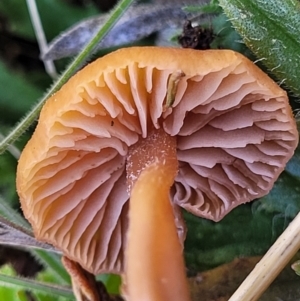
{"x": 40, "y": 36}
{"x": 274, "y": 261}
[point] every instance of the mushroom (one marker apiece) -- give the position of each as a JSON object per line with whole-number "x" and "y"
{"x": 139, "y": 133}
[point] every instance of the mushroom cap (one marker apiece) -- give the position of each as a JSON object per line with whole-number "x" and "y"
{"x": 235, "y": 132}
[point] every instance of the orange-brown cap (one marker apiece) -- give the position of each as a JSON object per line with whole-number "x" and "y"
{"x": 234, "y": 129}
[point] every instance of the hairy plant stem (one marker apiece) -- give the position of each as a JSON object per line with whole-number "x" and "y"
{"x": 44, "y": 288}
{"x": 88, "y": 50}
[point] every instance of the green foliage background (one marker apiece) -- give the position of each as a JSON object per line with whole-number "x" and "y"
{"x": 248, "y": 230}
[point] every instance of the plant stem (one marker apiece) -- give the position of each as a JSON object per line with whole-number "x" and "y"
{"x": 115, "y": 15}
{"x": 274, "y": 261}
{"x": 12, "y": 215}
{"x": 44, "y": 288}
{"x": 14, "y": 151}
{"x": 40, "y": 36}
{"x": 52, "y": 261}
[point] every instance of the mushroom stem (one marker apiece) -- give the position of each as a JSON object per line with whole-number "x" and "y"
{"x": 155, "y": 269}
{"x": 83, "y": 283}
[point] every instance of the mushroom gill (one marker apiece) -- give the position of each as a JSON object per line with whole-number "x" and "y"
{"x": 234, "y": 130}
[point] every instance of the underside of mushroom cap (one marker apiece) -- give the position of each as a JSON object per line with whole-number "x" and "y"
{"x": 234, "y": 127}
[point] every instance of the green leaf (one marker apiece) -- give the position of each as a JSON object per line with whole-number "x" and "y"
{"x": 210, "y": 8}
{"x": 53, "y": 265}
{"x": 15, "y": 282}
{"x": 17, "y": 94}
{"x": 243, "y": 232}
{"x": 48, "y": 277}
{"x": 271, "y": 29}
{"x": 226, "y": 36}
{"x": 8, "y": 178}
{"x": 56, "y": 16}
{"x": 11, "y": 215}
{"x": 13, "y": 288}
{"x": 9, "y": 293}
{"x": 112, "y": 282}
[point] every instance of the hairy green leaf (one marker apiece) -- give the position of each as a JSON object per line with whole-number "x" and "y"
{"x": 33, "y": 285}
{"x": 10, "y": 293}
{"x": 271, "y": 29}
